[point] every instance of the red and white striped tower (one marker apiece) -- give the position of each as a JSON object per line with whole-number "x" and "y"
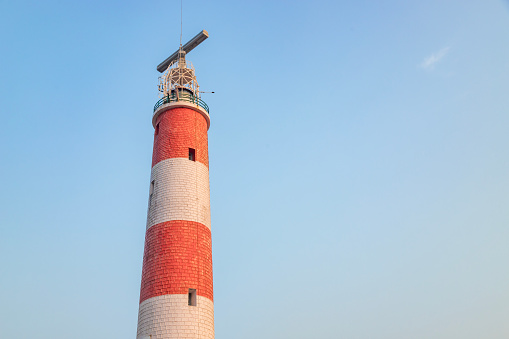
{"x": 176, "y": 298}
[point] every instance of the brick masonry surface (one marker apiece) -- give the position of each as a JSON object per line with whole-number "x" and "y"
{"x": 178, "y": 256}
{"x": 178, "y": 248}
{"x": 169, "y": 316}
{"x": 181, "y": 192}
{"x": 177, "y": 130}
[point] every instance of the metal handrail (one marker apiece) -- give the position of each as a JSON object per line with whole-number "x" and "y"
{"x": 188, "y": 98}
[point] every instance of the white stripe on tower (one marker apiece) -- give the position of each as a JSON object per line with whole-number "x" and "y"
{"x": 180, "y": 192}
{"x": 175, "y": 319}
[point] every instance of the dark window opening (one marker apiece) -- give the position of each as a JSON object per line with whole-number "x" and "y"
{"x": 192, "y": 154}
{"x": 151, "y": 192}
{"x": 191, "y": 297}
{"x": 157, "y": 129}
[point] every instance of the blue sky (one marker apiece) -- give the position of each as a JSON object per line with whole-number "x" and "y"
{"x": 358, "y": 165}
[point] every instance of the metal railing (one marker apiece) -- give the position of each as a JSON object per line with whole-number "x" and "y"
{"x": 187, "y": 98}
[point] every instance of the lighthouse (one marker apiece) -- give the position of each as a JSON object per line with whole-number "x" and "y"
{"x": 176, "y": 295}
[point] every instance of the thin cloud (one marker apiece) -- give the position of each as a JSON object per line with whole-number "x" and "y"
{"x": 430, "y": 62}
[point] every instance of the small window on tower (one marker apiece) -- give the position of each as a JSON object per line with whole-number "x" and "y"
{"x": 191, "y": 297}
{"x": 192, "y": 154}
{"x": 157, "y": 129}
{"x": 151, "y": 193}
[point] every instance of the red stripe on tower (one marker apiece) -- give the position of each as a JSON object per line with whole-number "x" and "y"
{"x": 175, "y": 133}
{"x": 178, "y": 254}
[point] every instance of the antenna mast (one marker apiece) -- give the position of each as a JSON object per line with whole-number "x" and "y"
{"x": 181, "y": 1}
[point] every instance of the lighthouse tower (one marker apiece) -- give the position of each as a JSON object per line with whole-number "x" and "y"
{"x": 176, "y": 297}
